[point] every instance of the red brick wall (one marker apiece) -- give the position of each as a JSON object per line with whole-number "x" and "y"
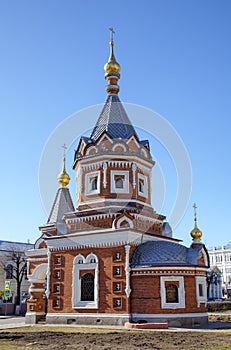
{"x": 107, "y": 280}
{"x": 145, "y": 296}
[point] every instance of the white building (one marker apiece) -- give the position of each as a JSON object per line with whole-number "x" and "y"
{"x": 221, "y": 257}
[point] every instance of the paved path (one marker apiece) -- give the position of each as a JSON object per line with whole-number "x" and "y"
{"x": 7, "y": 322}
{"x": 11, "y": 322}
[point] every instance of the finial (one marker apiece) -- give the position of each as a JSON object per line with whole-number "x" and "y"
{"x": 196, "y": 233}
{"x": 112, "y": 68}
{"x": 195, "y": 214}
{"x": 112, "y": 32}
{"x": 64, "y": 146}
{"x": 63, "y": 178}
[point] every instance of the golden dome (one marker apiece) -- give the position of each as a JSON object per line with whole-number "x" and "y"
{"x": 196, "y": 233}
{"x": 112, "y": 66}
{"x": 63, "y": 178}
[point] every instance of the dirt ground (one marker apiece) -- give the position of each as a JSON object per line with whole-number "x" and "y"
{"x": 117, "y": 340}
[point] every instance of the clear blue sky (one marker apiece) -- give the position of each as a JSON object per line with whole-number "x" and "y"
{"x": 175, "y": 59}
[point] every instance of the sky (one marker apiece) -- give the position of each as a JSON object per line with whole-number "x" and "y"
{"x": 175, "y": 60}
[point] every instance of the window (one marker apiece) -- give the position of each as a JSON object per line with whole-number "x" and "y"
{"x": 56, "y": 303}
{"x": 9, "y": 271}
{"x": 57, "y": 274}
{"x": 87, "y": 287}
{"x": 119, "y": 181}
{"x": 117, "y": 287}
{"x": 117, "y": 303}
{"x": 200, "y": 290}
{"x": 117, "y": 256}
{"x": 172, "y": 293}
{"x": 117, "y": 271}
{"x": 92, "y": 183}
{"x": 56, "y": 288}
{"x": 58, "y": 260}
{"x": 142, "y": 185}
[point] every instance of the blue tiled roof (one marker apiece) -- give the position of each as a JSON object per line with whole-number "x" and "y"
{"x": 114, "y": 120}
{"x": 157, "y": 253}
{"x": 62, "y": 204}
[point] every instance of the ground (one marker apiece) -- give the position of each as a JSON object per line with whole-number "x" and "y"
{"x": 43, "y": 337}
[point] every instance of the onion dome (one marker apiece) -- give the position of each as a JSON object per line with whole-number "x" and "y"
{"x": 112, "y": 66}
{"x": 63, "y": 178}
{"x": 196, "y": 233}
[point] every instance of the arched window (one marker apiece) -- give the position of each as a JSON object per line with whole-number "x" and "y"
{"x": 141, "y": 185}
{"x": 87, "y": 287}
{"x": 9, "y": 271}
{"x": 119, "y": 182}
{"x": 172, "y": 293}
{"x": 94, "y": 183}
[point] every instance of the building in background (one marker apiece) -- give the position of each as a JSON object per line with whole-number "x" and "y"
{"x": 112, "y": 258}
{"x": 11, "y": 255}
{"x": 221, "y": 258}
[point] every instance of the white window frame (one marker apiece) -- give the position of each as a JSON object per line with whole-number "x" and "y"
{"x": 181, "y": 292}
{"x": 145, "y": 179}
{"x": 125, "y": 188}
{"x": 201, "y": 299}
{"x": 77, "y": 303}
{"x": 88, "y": 183}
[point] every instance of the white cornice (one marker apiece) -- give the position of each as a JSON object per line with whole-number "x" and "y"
{"x": 34, "y": 252}
{"x": 115, "y": 200}
{"x": 95, "y": 239}
{"x": 91, "y": 218}
{"x": 36, "y": 259}
{"x": 146, "y": 218}
{"x": 100, "y": 239}
{"x": 169, "y": 269}
{"x": 111, "y": 157}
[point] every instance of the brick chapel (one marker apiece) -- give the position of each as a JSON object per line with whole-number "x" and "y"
{"x": 111, "y": 258}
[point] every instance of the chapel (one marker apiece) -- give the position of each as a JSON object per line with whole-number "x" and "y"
{"x": 109, "y": 257}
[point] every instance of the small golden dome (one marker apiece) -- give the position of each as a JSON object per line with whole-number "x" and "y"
{"x": 112, "y": 66}
{"x": 196, "y": 233}
{"x": 63, "y": 178}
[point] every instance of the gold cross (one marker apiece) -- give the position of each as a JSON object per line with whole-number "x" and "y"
{"x": 195, "y": 212}
{"x": 64, "y": 146}
{"x": 112, "y": 32}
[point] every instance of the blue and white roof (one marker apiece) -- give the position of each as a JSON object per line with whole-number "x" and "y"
{"x": 160, "y": 253}
{"x": 62, "y": 204}
{"x": 114, "y": 120}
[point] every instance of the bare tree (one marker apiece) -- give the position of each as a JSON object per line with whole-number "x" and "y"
{"x": 18, "y": 269}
